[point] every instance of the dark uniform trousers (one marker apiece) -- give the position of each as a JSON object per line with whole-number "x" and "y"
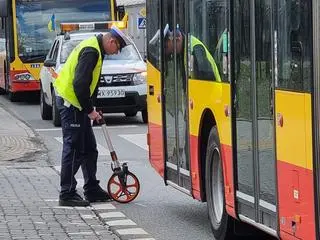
{"x": 79, "y": 149}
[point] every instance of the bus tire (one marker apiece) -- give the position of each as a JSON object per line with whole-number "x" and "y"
{"x": 45, "y": 109}
{"x": 13, "y": 96}
{"x": 56, "y": 120}
{"x": 2, "y": 91}
{"x": 144, "y": 114}
{"x": 221, "y": 223}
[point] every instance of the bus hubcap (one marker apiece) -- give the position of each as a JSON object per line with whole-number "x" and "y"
{"x": 217, "y": 185}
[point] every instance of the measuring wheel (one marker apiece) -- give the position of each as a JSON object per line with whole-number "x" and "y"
{"x": 123, "y": 187}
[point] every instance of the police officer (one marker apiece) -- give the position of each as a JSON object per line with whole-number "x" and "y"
{"x": 76, "y": 88}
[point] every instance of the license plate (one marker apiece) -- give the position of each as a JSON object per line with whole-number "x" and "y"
{"x": 111, "y": 93}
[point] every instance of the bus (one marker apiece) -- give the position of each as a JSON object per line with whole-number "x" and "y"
{"x": 29, "y": 28}
{"x": 233, "y": 104}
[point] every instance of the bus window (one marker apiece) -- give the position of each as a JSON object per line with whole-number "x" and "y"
{"x": 153, "y": 34}
{"x": 294, "y": 59}
{"x": 208, "y": 40}
{"x": 2, "y": 35}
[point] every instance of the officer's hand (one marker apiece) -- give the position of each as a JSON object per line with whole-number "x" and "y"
{"x": 95, "y": 116}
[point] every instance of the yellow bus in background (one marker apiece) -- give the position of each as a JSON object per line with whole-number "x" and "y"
{"x": 27, "y": 30}
{"x": 233, "y": 104}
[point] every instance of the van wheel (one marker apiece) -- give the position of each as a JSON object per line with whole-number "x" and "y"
{"x": 222, "y": 225}
{"x": 131, "y": 113}
{"x": 45, "y": 109}
{"x": 144, "y": 114}
{"x": 55, "y": 111}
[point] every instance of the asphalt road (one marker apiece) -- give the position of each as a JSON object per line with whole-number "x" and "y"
{"x": 163, "y": 212}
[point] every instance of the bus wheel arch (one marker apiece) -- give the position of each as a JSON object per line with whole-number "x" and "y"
{"x": 207, "y": 122}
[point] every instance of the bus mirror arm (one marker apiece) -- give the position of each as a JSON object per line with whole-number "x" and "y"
{"x": 49, "y": 63}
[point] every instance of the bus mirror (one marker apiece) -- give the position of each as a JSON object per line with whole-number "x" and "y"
{"x": 3, "y": 8}
{"x": 49, "y": 63}
{"x": 121, "y": 12}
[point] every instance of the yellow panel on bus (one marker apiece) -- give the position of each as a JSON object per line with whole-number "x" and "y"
{"x": 216, "y": 97}
{"x": 294, "y": 132}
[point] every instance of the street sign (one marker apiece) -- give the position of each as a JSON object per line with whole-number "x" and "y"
{"x": 142, "y": 22}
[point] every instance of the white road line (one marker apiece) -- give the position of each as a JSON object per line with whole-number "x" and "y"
{"x": 81, "y": 233}
{"x": 103, "y": 206}
{"x": 102, "y": 151}
{"x": 109, "y": 127}
{"x": 142, "y": 239}
{"x": 131, "y": 231}
{"x": 125, "y": 222}
{"x": 112, "y": 215}
{"x": 138, "y": 139}
{"x": 88, "y": 216}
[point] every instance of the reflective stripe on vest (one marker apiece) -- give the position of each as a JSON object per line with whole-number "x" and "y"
{"x": 64, "y": 83}
{"x": 195, "y": 41}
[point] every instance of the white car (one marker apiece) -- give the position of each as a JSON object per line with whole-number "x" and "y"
{"x": 122, "y": 88}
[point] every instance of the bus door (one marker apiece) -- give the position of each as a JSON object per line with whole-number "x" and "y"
{"x": 175, "y": 107}
{"x": 253, "y": 98}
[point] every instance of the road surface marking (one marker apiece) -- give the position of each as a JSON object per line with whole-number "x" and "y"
{"x": 102, "y": 151}
{"x": 109, "y": 127}
{"x": 125, "y": 222}
{"x": 104, "y": 206}
{"x": 131, "y": 231}
{"x": 138, "y": 139}
{"x": 112, "y": 215}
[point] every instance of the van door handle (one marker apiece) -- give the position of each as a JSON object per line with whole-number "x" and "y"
{"x": 151, "y": 90}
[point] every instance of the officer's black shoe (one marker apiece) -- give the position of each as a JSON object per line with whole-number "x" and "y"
{"x": 74, "y": 200}
{"x": 97, "y": 195}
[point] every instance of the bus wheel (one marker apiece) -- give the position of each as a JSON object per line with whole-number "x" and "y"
{"x": 13, "y": 96}
{"x": 55, "y": 111}
{"x": 221, "y": 223}
{"x": 45, "y": 109}
{"x": 144, "y": 114}
{"x": 2, "y": 91}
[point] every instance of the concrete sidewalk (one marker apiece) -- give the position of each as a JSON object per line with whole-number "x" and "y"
{"x": 30, "y": 188}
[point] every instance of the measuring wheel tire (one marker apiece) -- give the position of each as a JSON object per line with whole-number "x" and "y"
{"x": 123, "y": 194}
{"x": 222, "y": 225}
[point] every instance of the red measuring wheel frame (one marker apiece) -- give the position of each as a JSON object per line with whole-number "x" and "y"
{"x": 123, "y": 194}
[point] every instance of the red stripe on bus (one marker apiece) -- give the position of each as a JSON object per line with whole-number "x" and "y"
{"x": 296, "y": 201}
{"x": 156, "y": 157}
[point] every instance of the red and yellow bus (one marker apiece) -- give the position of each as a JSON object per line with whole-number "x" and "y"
{"x": 27, "y": 29}
{"x": 233, "y": 103}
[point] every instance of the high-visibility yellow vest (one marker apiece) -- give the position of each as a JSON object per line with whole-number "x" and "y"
{"x": 64, "y": 83}
{"x": 195, "y": 41}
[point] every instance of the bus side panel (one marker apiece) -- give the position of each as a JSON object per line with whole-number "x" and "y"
{"x": 2, "y": 76}
{"x": 294, "y": 165}
{"x": 217, "y": 100}
{"x": 155, "y": 129}
{"x": 195, "y": 166}
{"x": 296, "y": 207}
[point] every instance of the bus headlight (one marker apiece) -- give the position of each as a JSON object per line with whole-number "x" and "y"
{"x": 139, "y": 78}
{"x": 23, "y": 77}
